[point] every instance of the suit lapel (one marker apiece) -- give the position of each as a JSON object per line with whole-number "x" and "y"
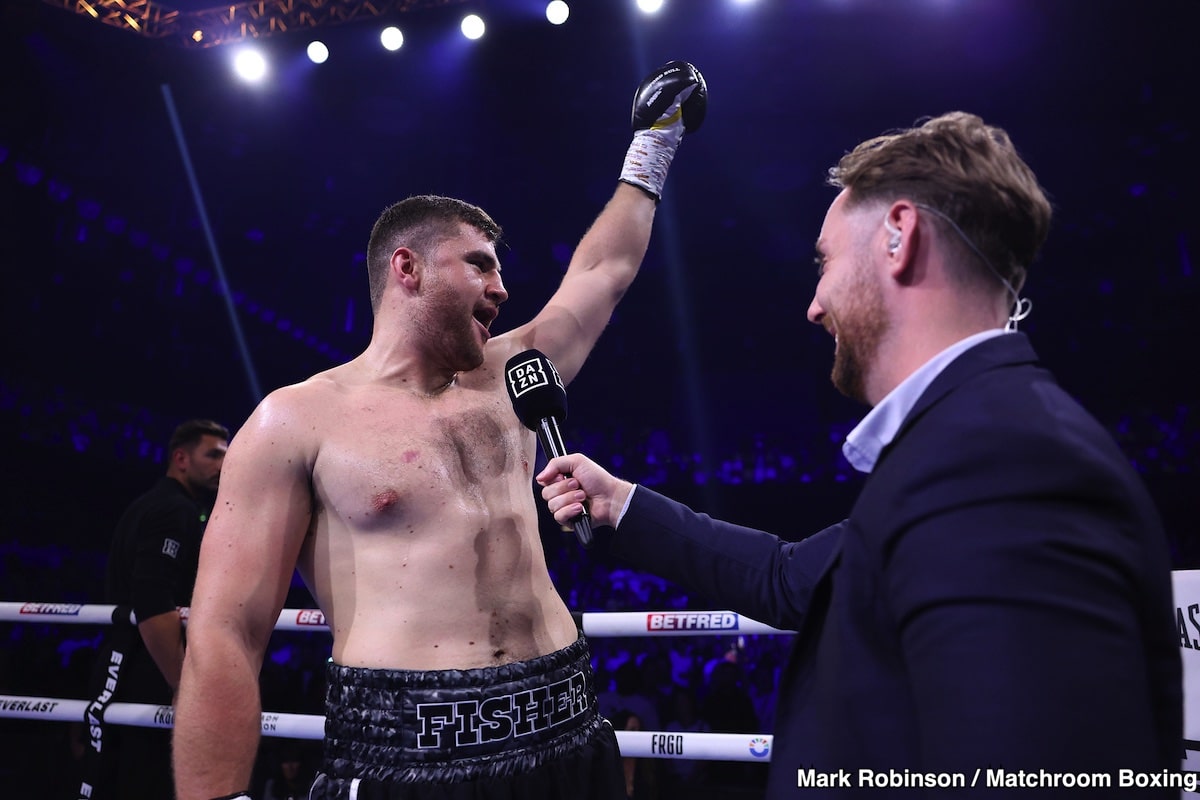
{"x": 1011, "y": 349}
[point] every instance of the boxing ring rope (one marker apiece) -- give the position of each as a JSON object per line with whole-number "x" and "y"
{"x": 593, "y": 623}
{"x": 634, "y": 744}
{"x": 644, "y": 744}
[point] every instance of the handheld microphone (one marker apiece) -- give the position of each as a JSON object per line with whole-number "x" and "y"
{"x": 540, "y": 400}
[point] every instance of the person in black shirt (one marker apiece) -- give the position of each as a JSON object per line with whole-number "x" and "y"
{"x": 151, "y": 570}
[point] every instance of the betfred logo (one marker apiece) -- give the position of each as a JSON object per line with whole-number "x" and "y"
{"x": 692, "y": 621}
{"x": 310, "y": 616}
{"x": 61, "y": 609}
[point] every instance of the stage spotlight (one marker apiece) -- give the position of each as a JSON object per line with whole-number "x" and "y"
{"x": 391, "y": 38}
{"x": 318, "y": 53}
{"x": 250, "y": 65}
{"x": 557, "y": 12}
{"x": 472, "y": 26}
{"x": 650, "y": 6}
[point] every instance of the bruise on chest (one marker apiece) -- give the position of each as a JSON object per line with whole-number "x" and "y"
{"x": 388, "y": 470}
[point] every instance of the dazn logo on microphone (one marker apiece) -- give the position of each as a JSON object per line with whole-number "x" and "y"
{"x": 535, "y": 373}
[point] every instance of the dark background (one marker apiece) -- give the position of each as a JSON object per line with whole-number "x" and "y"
{"x": 710, "y": 383}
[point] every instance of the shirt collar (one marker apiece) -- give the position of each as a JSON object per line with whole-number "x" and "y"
{"x": 877, "y": 429}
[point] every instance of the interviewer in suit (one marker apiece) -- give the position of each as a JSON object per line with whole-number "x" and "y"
{"x": 999, "y": 598}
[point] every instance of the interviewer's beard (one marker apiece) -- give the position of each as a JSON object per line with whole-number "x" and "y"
{"x": 861, "y": 325}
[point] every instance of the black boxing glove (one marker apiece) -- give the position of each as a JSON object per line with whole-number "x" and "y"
{"x": 671, "y": 101}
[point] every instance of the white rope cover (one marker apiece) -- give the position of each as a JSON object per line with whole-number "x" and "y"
{"x": 60, "y": 613}
{"x": 635, "y": 744}
{"x": 671, "y": 623}
{"x": 594, "y": 623}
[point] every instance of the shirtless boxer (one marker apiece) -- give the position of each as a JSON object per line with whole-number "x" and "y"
{"x": 399, "y": 484}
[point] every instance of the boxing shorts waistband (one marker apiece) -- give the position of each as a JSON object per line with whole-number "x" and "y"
{"x": 439, "y": 726}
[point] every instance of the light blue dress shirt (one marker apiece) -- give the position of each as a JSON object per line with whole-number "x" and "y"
{"x": 877, "y": 429}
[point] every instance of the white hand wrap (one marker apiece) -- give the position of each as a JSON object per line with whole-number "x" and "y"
{"x": 649, "y": 155}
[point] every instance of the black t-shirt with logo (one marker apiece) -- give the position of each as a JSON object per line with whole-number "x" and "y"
{"x": 152, "y": 568}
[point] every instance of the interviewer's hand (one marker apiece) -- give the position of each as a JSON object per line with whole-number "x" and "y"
{"x": 568, "y": 481}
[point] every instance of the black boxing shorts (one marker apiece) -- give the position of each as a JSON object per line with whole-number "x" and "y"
{"x": 524, "y": 730}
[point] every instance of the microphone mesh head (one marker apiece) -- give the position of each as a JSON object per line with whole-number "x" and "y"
{"x": 535, "y": 388}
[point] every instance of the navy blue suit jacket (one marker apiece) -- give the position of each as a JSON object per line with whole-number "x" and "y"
{"x": 999, "y": 597}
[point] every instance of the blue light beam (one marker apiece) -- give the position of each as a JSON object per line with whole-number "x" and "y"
{"x": 222, "y": 283}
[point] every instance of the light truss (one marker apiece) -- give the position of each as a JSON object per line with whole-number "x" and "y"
{"x": 234, "y": 22}
{"x": 140, "y": 16}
